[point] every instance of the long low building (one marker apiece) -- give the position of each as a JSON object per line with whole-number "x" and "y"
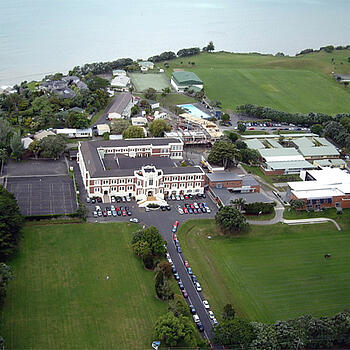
{"x": 140, "y": 168}
{"x": 324, "y": 188}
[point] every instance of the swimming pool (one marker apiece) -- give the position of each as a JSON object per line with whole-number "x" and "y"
{"x": 191, "y": 109}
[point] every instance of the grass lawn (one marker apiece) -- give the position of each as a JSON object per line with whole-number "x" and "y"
{"x": 292, "y": 84}
{"x": 273, "y": 272}
{"x": 331, "y": 213}
{"x": 261, "y": 217}
{"x": 254, "y": 132}
{"x": 175, "y": 99}
{"x": 61, "y": 298}
{"x": 143, "y": 81}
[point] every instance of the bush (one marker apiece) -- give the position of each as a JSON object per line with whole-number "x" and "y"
{"x": 258, "y": 208}
{"x": 153, "y": 205}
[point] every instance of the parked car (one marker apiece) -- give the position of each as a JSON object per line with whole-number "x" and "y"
{"x": 175, "y": 226}
{"x": 174, "y": 269}
{"x": 179, "y": 250}
{"x": 181, "y": 286}
{"x": 104, "y": 213}
{"x": 177, "y": 198}
{"x": 192, "y": 309}
{"x": 194, "y": 279}
{"x": 99, "y": 200}
{"x": 211, "y": 315}
{"x": 97, "y": 208}
{"x": 200, "y": 327}
{"x": 113, "y": 199}
{"x": 135, "y": 220}
{"x": 124, "y": 213}
{"x": 182, "y": 197}
{"x": 189, "y": 270}
{"x": 163, "y": 208}
{"x": 88, "y": 200}
{"x": 180, "y": 211}
{"x": 184, "y": 293}
{"x": 168, "y": 207}
{"x": 185, "y": 210}
{"x": 177, "y": 277}
{"x": 119, "y": 213}
{"x": 95, "y": 214}
{"x": 174, "y": 237}
{"x": 147, "y": 209}
{"x": 190, "y": 211}
{"x": 215, "y": 322}
{"x": 114, "y": 213}
{"x": 196, "y": 318}
{"x": 186, "y": 263}
{"x": 109, "y": 213}
{"x": 99, "y": 213}
{"x": 93, "y": 200}
{"x": 206, "y": 304}
{"x": 198, "y": 287}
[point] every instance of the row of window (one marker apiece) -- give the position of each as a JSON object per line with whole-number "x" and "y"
{"x": 183, "y": 185}
{"x": 320, "y": 201}
{"x": 120, "y": 188}
{"x": 176, "y": 154}
{"x": 113, "y": 181}
{"x": 182, "y": 178}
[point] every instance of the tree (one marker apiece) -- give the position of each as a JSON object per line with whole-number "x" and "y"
{"x": 153, "y": 237}
{"x": 230, "y": 219}
{"x": 134, "y": 110}
{"x": 141, "y": 249}
{"x": 249, "y": 156}
{"x": 178, "y": 306}
{"x": 78, "y": 120}
{"x": 133, "y": 132}
{"x": 297, "y": 204}
{"x": 232, "y": 136}
{"x": 234, "y": 333}
{"x": 118, "y": 126}
{"x": 150, "y": 94}
{"x": 3, "y": 157}
{"x": 16, "y": 145}
{"x": 173, "y": 330}
{"x": 52, "y": 146}
{"x": 5, "y": 276}
{"x": 223, "y": 153}
{"x": 241, "y": 144}
{"x": 11, "y": 223}
{"x": 83, "y": 212}
{"x": 5, "y": 132}
{"x": 96, "y": 83}
{"x": 228, "y": 312}
{"x": 238, "y": 203}
{"x": 317, "y": 129}
{"x": 265, "y": 337}
{"x": 158, "y": 127}
{"x": 165, "y": 267}
{"x": 210, "y": 47}
{"x": 35, "y": 148}
{"x": 241, "y": 127}
{"x": 225, "y": 118}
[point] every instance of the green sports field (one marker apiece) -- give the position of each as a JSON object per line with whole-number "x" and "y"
{"x": 274, "y": 272}
{"x": 143, "y": 81}
{"x": 61, "y": 298}
{"x": 292, "y": 84}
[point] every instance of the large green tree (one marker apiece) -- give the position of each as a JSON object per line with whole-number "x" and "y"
{"x": 52, "y": 146}
{"x": 159, "y": 127}
{"x": 11, "y": 222}
{"x": 16, "y": 145}
{"x": 230, "y": 219}
{"x": 97, "y": 83}
{"x": 152, "y": 236}
{"x": 133, "y": 132}
{"x": 249, "y": 156}
{"x": 317, "y": 129}
{"x": 5, "y": 132}
{"x": 150, "y": 94}
{"x": 235, "y": 333}
{"x": 174, "y": 330}
{"x": 241, "y": 127}
{"x": 78, "y": 120}
{"x": 223, "y": 153}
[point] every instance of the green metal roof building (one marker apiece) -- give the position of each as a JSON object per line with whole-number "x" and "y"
{"x": 182, "y": 80}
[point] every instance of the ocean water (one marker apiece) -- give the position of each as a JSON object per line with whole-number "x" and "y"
{"x": 38, "y": 37}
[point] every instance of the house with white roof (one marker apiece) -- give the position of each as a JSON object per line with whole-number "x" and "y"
{"x": 121, "y": 82}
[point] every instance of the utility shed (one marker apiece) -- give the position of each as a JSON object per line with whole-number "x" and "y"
{"x": 319, "y": 152}
{"x": 275, "y": 144}
{"x": 254, "y": 144}
{"x": 280, "y": 154}
{"x": 303, "y": 142}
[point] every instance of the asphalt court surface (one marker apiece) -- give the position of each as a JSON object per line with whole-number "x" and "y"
{"x": 43, "y": 195}
{"x": 143, "y": 81}
{"x": 35, "y": 168}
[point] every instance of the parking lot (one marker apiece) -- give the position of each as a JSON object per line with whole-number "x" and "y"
{"x": 45, "y": 195}
{"x": 132, "y": 210}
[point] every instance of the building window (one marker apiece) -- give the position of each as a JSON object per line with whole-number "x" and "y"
{"x": 129, "y": 188}
{"x": 97, "y": 189}
{"x": 105, "y": 182}
{"x": 96, "y": 182}
{"x": 121, "y": 188}
{"x": 150, "y": 182}
{"x": 198, "y": 184}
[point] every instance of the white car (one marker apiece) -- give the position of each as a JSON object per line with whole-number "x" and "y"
{"x": 128, "y": 199}
{"x": 95, "y": 214}
{"x": 109, "y": 213}
{"x": 198, "y": 287}
{"x": 112, "y": 207}
{"x": 215, "y": 322}
{"x": 97, "y": 208}
{"x": 178, "y": 198}
{"x": 208, "y": 209}
{"x": 206, "y": 304}
{"x": 147, "y": 209}
{"x": 170, "y": 261}
{"x": 182, "y": 197}
{"x": 135, "y": 220}
{"x": 196, "y": 205}
{"x": 180, "y": 211}
{"x": 167, "y": 255}
{"x": 196, "y": 318}
{"x": 211, "y": 315}
{"x": 113, "y": 199}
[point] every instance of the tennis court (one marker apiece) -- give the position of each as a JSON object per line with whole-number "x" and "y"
{"x": 143, "y": 81}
